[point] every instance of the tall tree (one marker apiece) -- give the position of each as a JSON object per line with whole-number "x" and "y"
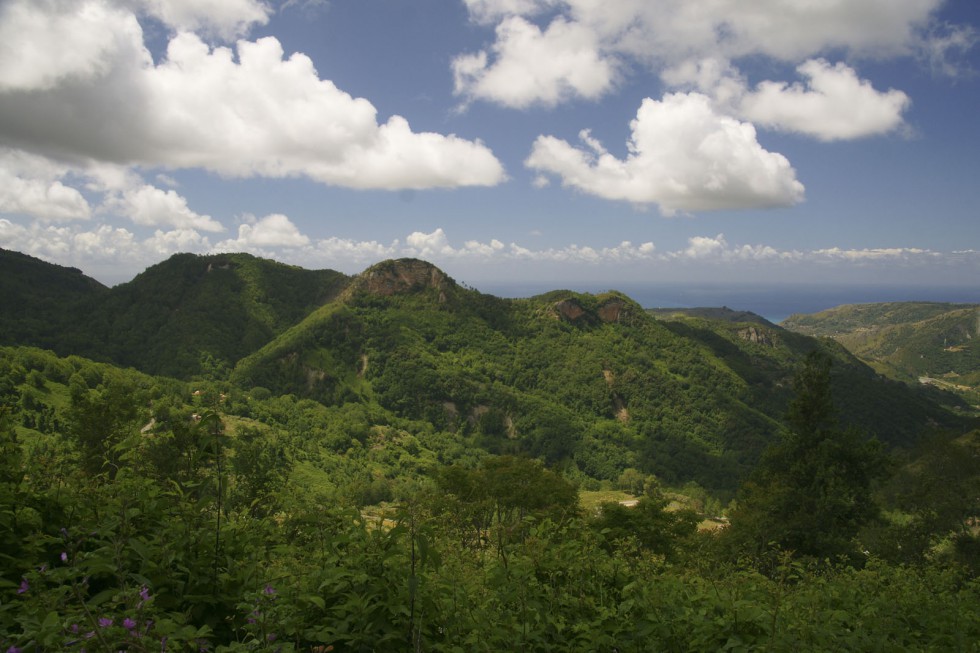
{"x": 811, "y": 491}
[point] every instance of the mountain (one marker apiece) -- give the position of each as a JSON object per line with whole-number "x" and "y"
{"x": 40, "y": 299}
{"x": 588, "y": 380}
{"x": 593, "y": 383}
{"x": 177, "y": 318}
{"x": 915, "y": 342}
{"x": 191, "y": 308}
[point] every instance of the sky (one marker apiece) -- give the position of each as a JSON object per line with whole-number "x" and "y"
{"x": 551, "y": 142}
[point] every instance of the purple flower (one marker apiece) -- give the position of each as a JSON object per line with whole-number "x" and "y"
{"x": 24, "y": 586}
{"x": 144, "y": 593}
{"x": 271, "y": 637}
{"x": 64, "y": 557}
{"x": 13, "y": 649}
{"x": 128, "y": 623}
{"x": 269, "y": 590}
{"x": 105, "y": 622}
{"x": 74, "y": 629}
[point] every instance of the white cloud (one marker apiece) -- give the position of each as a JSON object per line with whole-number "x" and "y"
{"x": 346, "y": 249}
{"x": 683, "y": 156}
{"x": 835, "y": 104}
{"x": 666, "y": 33}
{"x": 945, "y": 46}
{"x": 45, "y": 43}
{"x": 151, "y": 206}
{"x": 102, "y": 250}
{"x": 272, "y": 231}
{"x": 224, "y": 19}
{"x": 243, "y": 113}
{"x": 717, "y": 249}
{"x": 425, "y": 245}
{"x": 874, "y": 254}
{"x": 487, "y": 11}
{"x": 534, "y": 67}
{"x": 32, "y": 186}
{"x": 436, "y": 245}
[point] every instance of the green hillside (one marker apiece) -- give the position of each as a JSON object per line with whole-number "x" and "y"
{"x": 916, "y": 342}
{"x": 222, "y": 306}
{"x": 41, "y": 301}
{"x": 593, "y": 383}
{"x": 185, "y": 316}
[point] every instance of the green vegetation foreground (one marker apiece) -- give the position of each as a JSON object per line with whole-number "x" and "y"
{"x": 194, "y": 538}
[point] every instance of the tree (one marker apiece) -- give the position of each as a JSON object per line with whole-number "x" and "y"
{"x": 811, "y": 491}
{"x": 99, "y": 420}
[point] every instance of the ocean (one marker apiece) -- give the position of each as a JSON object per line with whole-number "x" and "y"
{"x": 775, "y": 302}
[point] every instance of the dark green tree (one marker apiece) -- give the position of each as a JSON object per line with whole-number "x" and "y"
{"x": 811, "y": 491}
{"x": 98, "y": 420}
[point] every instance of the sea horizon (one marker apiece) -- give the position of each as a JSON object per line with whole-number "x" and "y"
{"x": 774, "y": 302}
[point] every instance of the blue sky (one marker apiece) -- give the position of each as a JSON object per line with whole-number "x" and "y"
{"x": 563, "y": 142}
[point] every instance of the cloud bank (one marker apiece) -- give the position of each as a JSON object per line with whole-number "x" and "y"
{"x": 547, "y": 52}
{"x": 79, "y": 87}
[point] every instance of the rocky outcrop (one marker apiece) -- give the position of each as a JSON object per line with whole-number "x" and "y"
{"x": 403, "y": 276}
{"x": 611, "y": 309}
{"x": 570, "y": 310}
{"x": 757, "y": 335}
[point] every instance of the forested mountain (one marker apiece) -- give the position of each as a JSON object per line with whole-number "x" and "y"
{"x": 40, "y": 300}
{"x": 915, "y": 342}
{"x": 591, "y": 382}
{"x": 392, "y": 461}
{"x": 184, "y": 316}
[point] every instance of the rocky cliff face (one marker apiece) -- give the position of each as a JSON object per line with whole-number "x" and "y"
{"x": 757, "y": 335}
{"x": 612, "y": 309}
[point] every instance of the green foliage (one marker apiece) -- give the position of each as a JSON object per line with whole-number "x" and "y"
{"x": 237, "y": 533}
{"x": 811, "y": 492}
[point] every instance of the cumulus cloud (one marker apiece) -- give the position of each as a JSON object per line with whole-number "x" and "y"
{"x": 108, "y": 252}
{"x": 683, "y": 156}
{"x": 46, "y": 43}
{"x": 348, "y": 249}
{"x": 531, "y": 66}
{"x": 32, "y": 186}
{"x": 665, "y": 32}
{"x": 270, "y": 232}
{"x": 436, "y": 245}
{"x": 834, "y": 105}
{"x": 224, "y": 19}
{"x": 243, "y": 113}
{"x": 151, "y": 206}
{"x": 717, "y": 248}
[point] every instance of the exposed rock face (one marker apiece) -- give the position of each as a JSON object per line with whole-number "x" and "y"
{"x": 612, "y": 309}
{"x": 569, "y": 309}
{"x": 403, "y": 276}
{"x": 756, "y": 335}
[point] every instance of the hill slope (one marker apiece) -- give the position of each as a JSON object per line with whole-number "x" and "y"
{"x": 909, "y": 341}
{"x": 177, "y": 318}
{"x": 583, "y": 380}
{"x": 40, "y": 300}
